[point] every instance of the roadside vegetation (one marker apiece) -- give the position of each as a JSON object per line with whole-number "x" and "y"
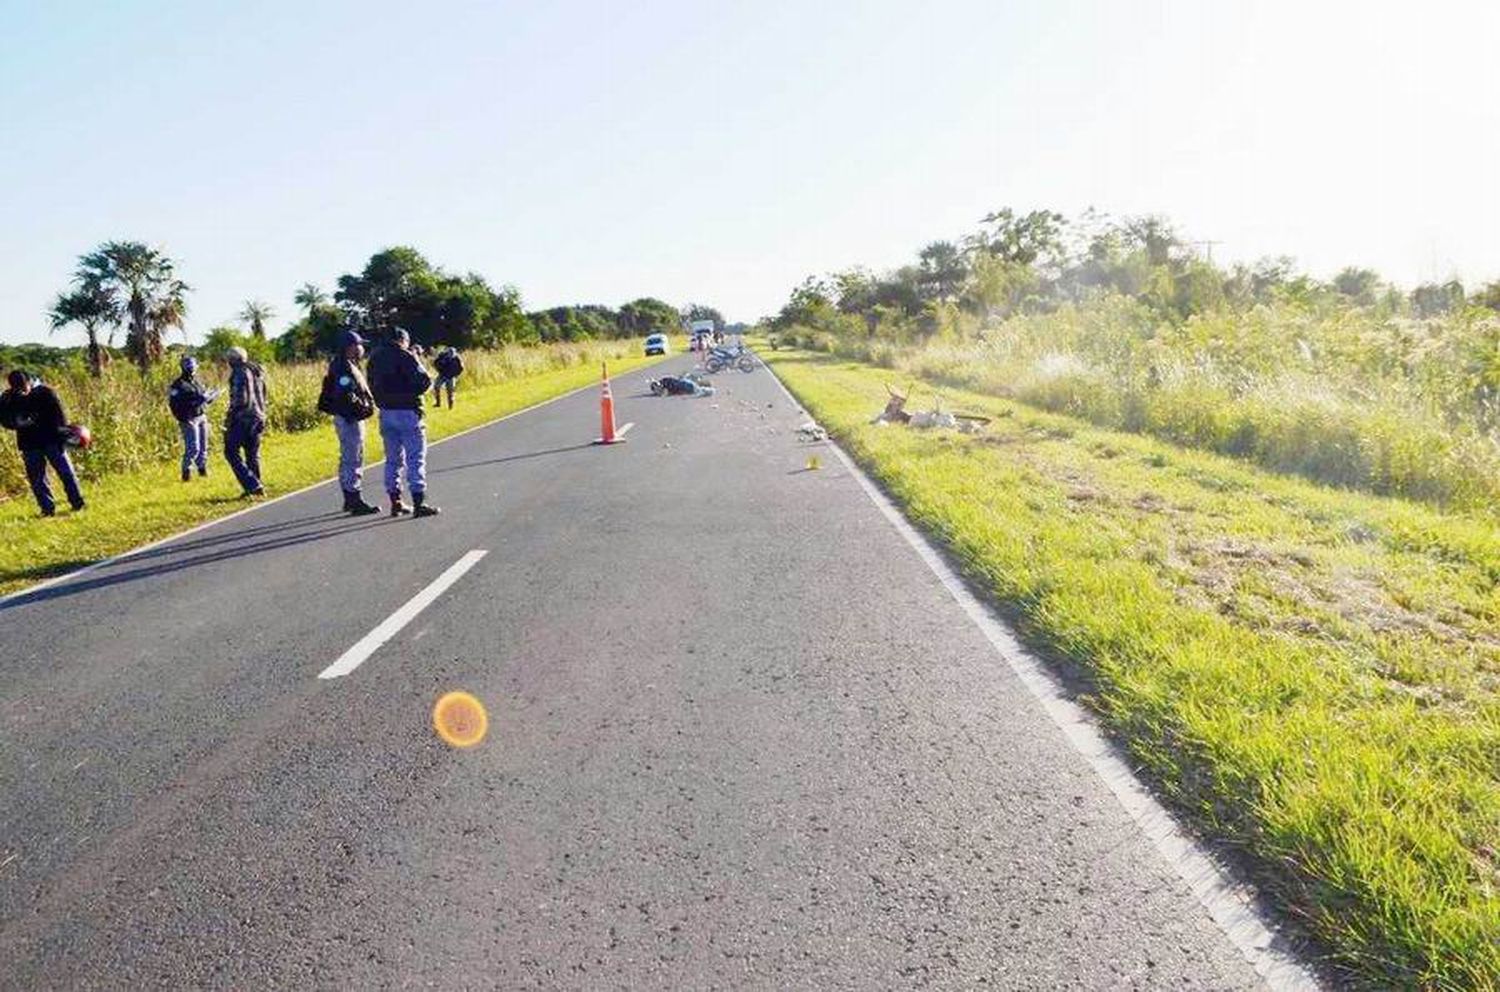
{"x": 1352, "y": 382}
{"x": 1251, "y": 513}
{"x": 1313, "y": 675}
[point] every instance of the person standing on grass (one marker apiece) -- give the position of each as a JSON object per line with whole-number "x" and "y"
{"x": 35, "y": 413}
{"x": 450, "y": 365}
{"x": 245, "y": 421}
{"x": 399, "y": 381}
{"x": 189, "y": 400}
{"x": 347, "y": 397}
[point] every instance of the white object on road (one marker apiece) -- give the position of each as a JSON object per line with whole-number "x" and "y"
{"x": 812, "y": 431}
{"x": 391, "y": 625}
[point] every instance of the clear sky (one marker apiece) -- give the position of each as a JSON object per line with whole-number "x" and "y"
{"x": 721, "y": 151}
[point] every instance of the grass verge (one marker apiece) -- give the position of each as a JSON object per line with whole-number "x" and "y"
{"x": 1312, "y": 675}
{"x": 128, "y": 509}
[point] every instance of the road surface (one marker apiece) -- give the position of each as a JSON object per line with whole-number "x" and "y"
{"x": 740, "y": 736}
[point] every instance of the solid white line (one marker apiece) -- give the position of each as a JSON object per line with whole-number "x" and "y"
{"x": 624, "y": 430}
{"x": 1230, "y": 905}
{"x": 391, "y": 625}
{"x": 205, "y": 525}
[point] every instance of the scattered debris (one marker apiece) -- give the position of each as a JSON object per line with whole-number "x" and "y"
{"x": 811, "y": 431}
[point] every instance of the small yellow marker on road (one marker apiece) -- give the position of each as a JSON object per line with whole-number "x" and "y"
{"x": 813, "y": 463}
{"x": 460, "y": 719}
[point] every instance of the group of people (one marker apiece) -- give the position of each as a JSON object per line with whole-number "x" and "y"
{"x": 393, "y": 386}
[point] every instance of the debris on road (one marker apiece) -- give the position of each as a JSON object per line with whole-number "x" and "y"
{"x": 811, "y": 432}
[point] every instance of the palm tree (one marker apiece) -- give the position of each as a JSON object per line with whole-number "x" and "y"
{"x": 311, "y": 297}
{"x": 256, "y": 314}
{"x": 144, "y": 276}
{"x": 91, "y": 306}
{"x": 169, "y": 309}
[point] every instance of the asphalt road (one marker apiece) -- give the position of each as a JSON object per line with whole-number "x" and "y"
{"x": 740, "y": 737}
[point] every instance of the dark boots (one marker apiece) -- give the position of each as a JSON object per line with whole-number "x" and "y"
{"x": 398, "y": 508}
{"x": 424, "y": 508}
{"x": 355, "y": 504}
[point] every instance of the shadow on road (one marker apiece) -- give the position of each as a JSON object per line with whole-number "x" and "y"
{"x": 511, "y": 458}
{"x": 270, "y": 542}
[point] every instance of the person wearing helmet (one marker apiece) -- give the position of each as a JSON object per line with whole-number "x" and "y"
{"x": 188, "y": 399}
{"x": 34, "y": 412}
{"x": 399, "y": 381}
{"x": 245, "y": 421}
{"x": 346, "y": 396}
{"x": 450, "y": 365}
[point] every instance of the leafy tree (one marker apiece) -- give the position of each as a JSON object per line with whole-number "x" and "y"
{"x": 944, "y": 269}
{"x": 648, "y": 315}
{"x": 1025, "y": 239}
{"x": 1198, "y": 288}
{"x": 1154, "y": 235}
{"x": 811, "y": 305}
{"x": 1359, "y": 286}
{"x": 699, "y": 311}
{"x": 169, "y": 309}
{"x": 221, "y": 339}
{"x": 1488, "y": 296}
{"x": 314, "y": 335}
{"x": 1433, "y": 299}
{"x": 256, "y": 313}
{"x": 93, "y": 307}
{"x": 400, "y": 288}
{"x": 310, "y": 297}
{"x": 154, "y": 297}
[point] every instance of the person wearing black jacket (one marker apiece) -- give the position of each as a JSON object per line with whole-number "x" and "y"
{"x": 189, "y": 399}
{"x": 449, "y": 365}
{"x": 346, "y": 396}
{"x": 35, "y": 413}
{"x": 398, "y": 382}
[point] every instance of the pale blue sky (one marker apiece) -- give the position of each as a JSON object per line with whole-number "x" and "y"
{"x": 594, "y": 152}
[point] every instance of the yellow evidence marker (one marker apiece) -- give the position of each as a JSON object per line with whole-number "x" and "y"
{"x": 460, "y": 719}
{"x": 813, "y": 463}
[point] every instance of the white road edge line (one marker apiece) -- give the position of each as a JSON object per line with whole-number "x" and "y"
{"x": 405, "y": 614}
{"x": 205, "y": 525}
{"x": 1230, "y": 905}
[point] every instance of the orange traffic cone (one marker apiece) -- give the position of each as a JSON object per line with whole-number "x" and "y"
{"x": 608, "y": 433}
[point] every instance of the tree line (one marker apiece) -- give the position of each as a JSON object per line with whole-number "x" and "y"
{"x": 1039, "y": 260}
{"x": 130, "y": 286}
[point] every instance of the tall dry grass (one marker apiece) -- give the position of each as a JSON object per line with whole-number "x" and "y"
{"x": 1348, "y": 396}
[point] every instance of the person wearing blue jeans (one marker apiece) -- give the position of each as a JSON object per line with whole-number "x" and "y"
{"x": 346, "y": 397}
{"x": 188, "y": 400}
{"x": 399, "y": 381}
{"x": 35, "y": 413}
{"x": 245, "y": 421}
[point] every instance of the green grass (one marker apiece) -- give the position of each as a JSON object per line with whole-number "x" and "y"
{"x": 127, "y": 509}
{"x": 1312, "y": 675}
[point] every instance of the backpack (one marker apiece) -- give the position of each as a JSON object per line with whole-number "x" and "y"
{"x": 342, "y": 399}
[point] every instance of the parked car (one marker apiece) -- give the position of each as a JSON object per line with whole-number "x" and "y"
{"x": 656, "y": 344}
